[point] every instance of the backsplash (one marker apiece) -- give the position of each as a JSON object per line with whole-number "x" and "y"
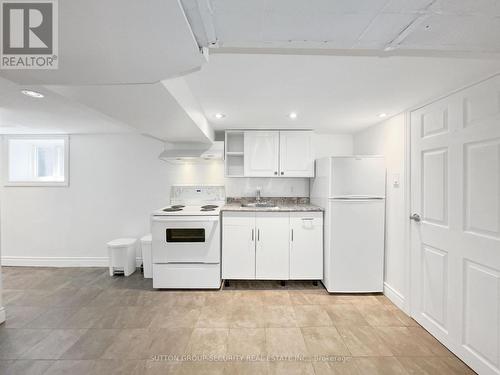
{"x": 275, "y": 200}
{"x": 269, "y": 187}
{"x": 212, "y": 173}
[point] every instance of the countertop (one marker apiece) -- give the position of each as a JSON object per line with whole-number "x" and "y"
{"x": 280, "y": 207}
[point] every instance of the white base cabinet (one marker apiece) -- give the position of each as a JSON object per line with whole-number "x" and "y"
{"x": 272, "y": 245}
{"x": 306, "y": 245}
{"x": 238, "y": 246}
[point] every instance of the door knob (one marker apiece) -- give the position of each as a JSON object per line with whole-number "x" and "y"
{"x": 282, "y": 173}
{"x": 275, "y": 173}
{"x": 416, "y": 218}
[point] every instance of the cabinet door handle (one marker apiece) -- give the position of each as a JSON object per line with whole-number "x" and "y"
{"x": 282, "y": 173}
{"x": 252, "y": 234}
{"x": 275, "y": 173}
{"x": 258, "y": 234}
{"x": 292, "y": 235}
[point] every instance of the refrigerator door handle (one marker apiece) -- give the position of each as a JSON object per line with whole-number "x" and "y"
{"x": 358, "y": 200}
{"x": 354, "y": 197}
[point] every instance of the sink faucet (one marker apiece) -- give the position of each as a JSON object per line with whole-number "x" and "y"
{"x": 257, "y": 196}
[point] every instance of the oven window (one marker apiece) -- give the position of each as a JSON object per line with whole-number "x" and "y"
{"x": 186, "y": 235}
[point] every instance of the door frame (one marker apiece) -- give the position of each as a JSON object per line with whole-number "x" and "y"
{"x": 411, "y": 249}
{"x": 409, "y": 302}
{"x": 408, "y": 209}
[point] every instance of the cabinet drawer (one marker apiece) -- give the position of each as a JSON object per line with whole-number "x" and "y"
{"x": 237, "y": 218}
{"x": 306, "y": 219}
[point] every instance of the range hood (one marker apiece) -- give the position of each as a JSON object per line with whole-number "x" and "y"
{"x": 196, "y": 152}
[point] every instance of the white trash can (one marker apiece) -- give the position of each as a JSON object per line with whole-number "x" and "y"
{"x": 147, "y": 259}
{"x": 121, "y": 254}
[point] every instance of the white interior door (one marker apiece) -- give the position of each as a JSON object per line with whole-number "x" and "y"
{"x": 261, "y": 150}
{"x": 456, "y": 245}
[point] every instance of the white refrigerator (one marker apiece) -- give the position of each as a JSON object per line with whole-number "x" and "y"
{"x": 352, "y": 191}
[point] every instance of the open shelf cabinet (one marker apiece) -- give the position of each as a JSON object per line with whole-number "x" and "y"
{"x": 234, "y": 153}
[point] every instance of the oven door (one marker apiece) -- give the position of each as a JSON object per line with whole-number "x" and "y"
{"x": 186, "y": 239}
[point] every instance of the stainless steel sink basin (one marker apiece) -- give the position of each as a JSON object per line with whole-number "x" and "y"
{"x": 259, "y": 204}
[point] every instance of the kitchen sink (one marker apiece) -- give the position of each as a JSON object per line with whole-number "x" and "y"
{"x": 259, "y": 204}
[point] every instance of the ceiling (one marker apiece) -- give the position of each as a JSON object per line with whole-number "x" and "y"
{"x": 404, "y": 25}
{"x": 335, "y": 94}
{"x": 337, "y": 63}
{"x": 113, "y": 57}
{"x": 118, "y": 41}
{"x": 54, "y": 114}
{"x": 148, "y": 108}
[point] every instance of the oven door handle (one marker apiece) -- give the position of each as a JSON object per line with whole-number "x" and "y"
{"x": 162, "y": 219}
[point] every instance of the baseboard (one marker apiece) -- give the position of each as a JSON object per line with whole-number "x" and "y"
{"x": 59, "y": 261}
{"x": 3, "y": 315}
{"x": 397, "y": 298}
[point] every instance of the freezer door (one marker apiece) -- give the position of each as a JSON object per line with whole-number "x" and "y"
{"x": 358, "y": 176}
{"x": 320, "y": 184}
{"x": 356, "y": 261}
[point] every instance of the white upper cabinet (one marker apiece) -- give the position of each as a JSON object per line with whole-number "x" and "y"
{"x": 296, "y": 154}
{"x": 261, "y": 153}
{"x": 270, "y": 153}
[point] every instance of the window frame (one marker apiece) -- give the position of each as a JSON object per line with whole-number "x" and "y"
{"x": 6, "y": 163}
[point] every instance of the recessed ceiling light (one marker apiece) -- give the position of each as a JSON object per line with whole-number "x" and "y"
{"x": 292, "y": 115}
{"x": 382, "y": 115}
{"x": 219, "y": 116}
{"x": 32, "y": 94}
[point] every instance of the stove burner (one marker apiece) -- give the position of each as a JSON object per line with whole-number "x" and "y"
{"x": 171, "y": 209}
{"x": 209, "y": 206}
{"x": 208, "y": 209}
{"x": 178, "y": 206}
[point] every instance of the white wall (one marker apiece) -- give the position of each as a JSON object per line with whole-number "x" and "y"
{"x": 388, "y": 139}
{"x": 324, "y": 145}
{"x": 115, "y": 182}
{"x": 332, "y": 145}
{"x": 3, "y": 315}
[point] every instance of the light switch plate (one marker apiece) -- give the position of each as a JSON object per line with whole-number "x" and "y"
{"x": 396, "y": 180}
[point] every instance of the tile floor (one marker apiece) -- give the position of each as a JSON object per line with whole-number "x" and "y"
{"x": 81, "y": 321}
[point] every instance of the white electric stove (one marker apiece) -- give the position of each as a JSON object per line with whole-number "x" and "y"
{"x": 190, "y": 210}
{"x": 186, "y": 239}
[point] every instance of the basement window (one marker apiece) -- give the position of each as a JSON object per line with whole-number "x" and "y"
{"x": 36, "y": 160}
